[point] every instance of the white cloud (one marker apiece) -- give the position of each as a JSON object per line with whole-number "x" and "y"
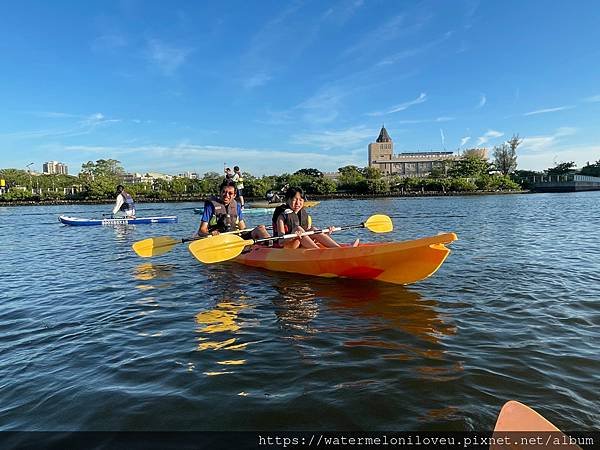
{"x": 482, "y": 101}
{"x": 592, "y": 99}
{"x": 84, "y": 125}
{"x": 322, "y": 107}
{"x": 554, "y": 155}
{"x": 490, "y": 134}
{"x": 416, "y": 121}
{"x": 179, "y": 158}
{"x": 53, "y": 115}
{"x": 539, "y": 144}
{"x": 407, "y": 53}
{"x": 464, "y": 140}
{"x": 402, "y": 106}
{"x": 167, "y": 58}
{"x": 548, "y": 110}
{"x": 97, "y": 119}
{"x": 109, "y": 42}
{"x": 334, "y": 139}
{"x": 256, "y": 80}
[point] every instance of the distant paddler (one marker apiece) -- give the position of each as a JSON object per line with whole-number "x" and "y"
{"x": 124, "y": 204}
{"x": 224, "y": 214}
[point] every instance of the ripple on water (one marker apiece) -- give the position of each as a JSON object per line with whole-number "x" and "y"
{"x": 170, "y": 344}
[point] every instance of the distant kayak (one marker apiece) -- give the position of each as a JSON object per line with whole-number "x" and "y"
{"x": 79, "y": 222}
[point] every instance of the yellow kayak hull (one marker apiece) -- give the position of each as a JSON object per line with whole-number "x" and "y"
{"x": 392, "y": 262}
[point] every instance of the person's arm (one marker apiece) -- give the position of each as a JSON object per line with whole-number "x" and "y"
{"x": 118, "y": 204}
{"x": 206, "y": 214}
{"x": 240, "y": 213}
{"x": 280, "y": 226}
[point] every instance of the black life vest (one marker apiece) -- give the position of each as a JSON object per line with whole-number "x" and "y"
{"x": 224, "y": 218}
{"x": 291, "y": 220}
{"x": 128, "y": 203}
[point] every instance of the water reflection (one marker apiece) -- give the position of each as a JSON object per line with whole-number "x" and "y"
{"x": 296, "y": 307}
{"x": 219, "y": 326}
{"x": 121, "y": 231}
{"x": 150, "y": 271}
{"x": 392, "y": 322}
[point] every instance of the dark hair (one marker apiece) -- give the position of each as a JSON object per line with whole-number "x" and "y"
{"x": 236, "y": 168}
{"x": 120, "y": 188}
{"x": 291, "y": 193}
{"x": 227, "y": 183}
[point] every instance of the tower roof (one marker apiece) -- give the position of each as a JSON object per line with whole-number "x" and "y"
{"x": 383, "y": 136}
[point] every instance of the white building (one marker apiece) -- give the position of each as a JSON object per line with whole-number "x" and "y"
{"x": 55, "y": 167}
{"x": 190, "y": 175}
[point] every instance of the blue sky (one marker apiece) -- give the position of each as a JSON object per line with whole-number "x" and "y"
{"x": 275, "y": 86}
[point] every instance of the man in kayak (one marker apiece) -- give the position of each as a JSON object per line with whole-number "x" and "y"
{"x": 293, "y": 218}
{"x": 223, "y": 214}
{"x": 124, "y": 205}
{"x": 239, "y": 184}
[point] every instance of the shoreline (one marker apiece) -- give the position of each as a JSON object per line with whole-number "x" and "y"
{"x": 201, "y": 199}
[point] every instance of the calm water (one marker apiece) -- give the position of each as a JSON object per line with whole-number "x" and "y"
{"x": 95, "y": 338}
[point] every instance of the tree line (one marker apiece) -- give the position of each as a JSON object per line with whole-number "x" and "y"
{"x": 472, "y": 172}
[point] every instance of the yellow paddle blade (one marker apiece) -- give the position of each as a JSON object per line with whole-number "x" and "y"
{"x": 379, "y": 223}
{"x": 218, "y": 248}
{"x": 154, "y": 246}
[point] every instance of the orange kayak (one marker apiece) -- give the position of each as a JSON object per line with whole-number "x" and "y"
{"x": 527, "y": 427}
{"x": 393, "y": 262}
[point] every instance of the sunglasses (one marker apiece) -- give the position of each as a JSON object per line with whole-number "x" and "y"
{"x": 229, "y": 193}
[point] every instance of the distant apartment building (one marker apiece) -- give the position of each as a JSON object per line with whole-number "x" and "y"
{"x": 134, "y": 178}
{"x": 55, "y": 168}
{"x": 190, "y": 175}
{"x": 408, "y": 164}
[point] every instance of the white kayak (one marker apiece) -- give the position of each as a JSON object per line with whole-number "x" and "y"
{"x": 79, "y": 222}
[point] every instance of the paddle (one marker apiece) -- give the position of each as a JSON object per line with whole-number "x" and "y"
{"x": 224, "y": 247}
{"x": 157, "y": 246}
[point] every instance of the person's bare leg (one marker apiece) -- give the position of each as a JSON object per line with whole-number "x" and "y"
{"x": 325, "y": 240}
{"x": 260, "y": 232}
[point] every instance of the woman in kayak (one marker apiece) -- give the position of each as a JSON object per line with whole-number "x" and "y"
{"x": 223, "y": 214}
{"x": 124, "y": 204}
{"x": 293, "y": 218}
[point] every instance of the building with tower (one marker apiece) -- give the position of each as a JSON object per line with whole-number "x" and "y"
{"x": 410, "y": 164}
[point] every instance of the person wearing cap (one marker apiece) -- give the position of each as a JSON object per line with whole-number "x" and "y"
{"x": 239, "y": 184}
{"x": 124, "y": 205}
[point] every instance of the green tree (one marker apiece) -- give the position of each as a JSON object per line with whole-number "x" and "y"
{"x": 371, "y": 173}
{"x": 103, "y": 168}
{"x": 211, "y": 181}
{"x": 349, "y": 177}
{"x": 562, "y": 168}
{"x": 470, "y": 166}
{"x": 505, "y": 155}
{"x": 178, "y": 186}
{"x": 310, "y": 173}
{"x": 591, "y": 170}
{"x": 322, "y": 186}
